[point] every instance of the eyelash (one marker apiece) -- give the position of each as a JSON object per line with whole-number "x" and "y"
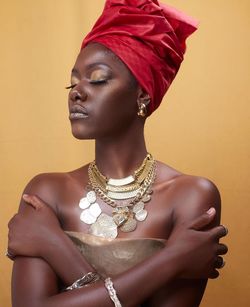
{"x": 94, "y": 82}
{"x": 70, "y": 86}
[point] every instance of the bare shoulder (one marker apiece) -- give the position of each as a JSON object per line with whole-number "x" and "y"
{"x": 189, "y": 195}
{"x": 196, "y": 186}
{"x": 51, "y": 186}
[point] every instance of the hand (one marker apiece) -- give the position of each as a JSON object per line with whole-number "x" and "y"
{"x": 34, "y": 229}
{"x": 198, "y": 250}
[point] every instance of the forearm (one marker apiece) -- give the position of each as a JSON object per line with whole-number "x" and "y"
{"x": 132, "y": 287}
{"x": 65, "y": 259}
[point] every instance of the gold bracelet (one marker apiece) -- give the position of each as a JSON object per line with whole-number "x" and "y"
{"x": 88, "y": 278}
{"x": 111, "y": 291}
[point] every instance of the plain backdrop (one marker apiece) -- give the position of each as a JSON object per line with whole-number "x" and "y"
{"x": 201, "y": 128}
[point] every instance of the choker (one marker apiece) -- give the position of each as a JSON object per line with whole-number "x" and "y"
{"x": 127, "y": 196}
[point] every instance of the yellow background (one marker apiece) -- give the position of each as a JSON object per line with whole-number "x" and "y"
{"x": 201, "y": 128}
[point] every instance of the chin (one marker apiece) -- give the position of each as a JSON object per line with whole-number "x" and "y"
{"x": 82, "y": 134}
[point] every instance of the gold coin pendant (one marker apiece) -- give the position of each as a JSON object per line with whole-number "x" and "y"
{"x": 129, "y": 226}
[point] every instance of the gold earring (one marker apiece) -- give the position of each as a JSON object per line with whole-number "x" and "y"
{"x": 142, "y": 110}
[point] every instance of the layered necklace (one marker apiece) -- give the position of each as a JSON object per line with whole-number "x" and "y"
{"x": 127, "y": 197}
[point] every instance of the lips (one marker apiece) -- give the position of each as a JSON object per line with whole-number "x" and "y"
{"x": 77, "y": 112}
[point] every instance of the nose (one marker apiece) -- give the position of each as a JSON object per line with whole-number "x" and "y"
{"x": 76, "y": 95}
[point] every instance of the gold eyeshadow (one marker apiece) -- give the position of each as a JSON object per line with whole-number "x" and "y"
{"x": 98, "y": 74}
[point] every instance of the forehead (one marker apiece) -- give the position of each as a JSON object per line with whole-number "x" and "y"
{"x": 96, "y": 54}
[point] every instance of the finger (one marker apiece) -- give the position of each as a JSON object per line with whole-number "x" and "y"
{"x": 219, "y": 263}
{"x": 32, "y": 200}
{"x": 226, "y": 229}
{"x": 222, "y": 249}
{"x": 204, "y": 219}
{"x": 214, "y": 274}
{"x": 219, "y": 231}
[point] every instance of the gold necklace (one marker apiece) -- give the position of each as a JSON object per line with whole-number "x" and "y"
{"x": 136, "y": 189}
{"x": 123, "y": 181}
{"x": 120, "y": 188}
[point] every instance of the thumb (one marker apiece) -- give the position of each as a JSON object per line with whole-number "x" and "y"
{"x": 204, "y": 219}
{"x": 33, "y": 200}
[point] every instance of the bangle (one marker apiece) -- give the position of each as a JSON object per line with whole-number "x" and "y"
{"x": 111, "y": 291}
{"x": 88, "y": 278}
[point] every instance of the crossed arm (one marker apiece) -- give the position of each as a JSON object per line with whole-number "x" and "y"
{"x": 181, "y": 268}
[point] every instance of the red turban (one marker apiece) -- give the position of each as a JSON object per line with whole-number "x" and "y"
{"x": 148, "y": 37}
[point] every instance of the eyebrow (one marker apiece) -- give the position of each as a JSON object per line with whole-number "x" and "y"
{"x": 92, "y": 65}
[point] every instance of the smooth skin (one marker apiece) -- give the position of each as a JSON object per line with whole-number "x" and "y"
{"x": 106, "y": 92}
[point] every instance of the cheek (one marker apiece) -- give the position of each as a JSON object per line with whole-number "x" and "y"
{"x": 117, "y": 106}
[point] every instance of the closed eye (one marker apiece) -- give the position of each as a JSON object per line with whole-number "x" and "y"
{"x": 96, "y": 82}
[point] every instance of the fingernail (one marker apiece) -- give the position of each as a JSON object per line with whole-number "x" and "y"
{"x": 226, "y": 229}
{"x": 211, "y": 211}
{"x": 25, "y": 195}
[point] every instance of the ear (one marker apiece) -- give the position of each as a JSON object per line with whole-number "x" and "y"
{"x": 143, "y": 97}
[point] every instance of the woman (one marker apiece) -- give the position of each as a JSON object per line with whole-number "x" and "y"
{"x": 125, "y": 66}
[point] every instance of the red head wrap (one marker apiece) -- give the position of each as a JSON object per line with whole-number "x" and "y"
{"x": 148, "y": 37}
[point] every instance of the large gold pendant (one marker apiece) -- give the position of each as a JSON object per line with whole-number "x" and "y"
{"x": 104, "y": 227}
{"x": 129, "y": 226}
{"x": 120, "y": 215}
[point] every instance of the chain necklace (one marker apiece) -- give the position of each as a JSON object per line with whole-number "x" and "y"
{"x": 134, "y": 191}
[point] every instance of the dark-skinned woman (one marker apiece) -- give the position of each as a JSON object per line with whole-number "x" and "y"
{"x": 124, "y": 230}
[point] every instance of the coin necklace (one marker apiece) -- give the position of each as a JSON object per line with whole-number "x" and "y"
{"x": 136, "y": 189}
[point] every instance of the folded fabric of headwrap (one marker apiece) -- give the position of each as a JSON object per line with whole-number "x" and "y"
{"x": 148, "y": 37}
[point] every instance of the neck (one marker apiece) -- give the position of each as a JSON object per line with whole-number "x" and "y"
{"x": 119, "y": 156}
